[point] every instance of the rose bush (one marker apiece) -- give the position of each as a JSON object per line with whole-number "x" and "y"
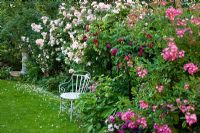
{"x": 157, "y": 59}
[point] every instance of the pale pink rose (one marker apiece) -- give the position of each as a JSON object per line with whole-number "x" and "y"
{"x": 40, "y": 42}
{"x": 186, "y": 86}
{"x": 160, "y": 88}
{"x": 178, "y": 100}
{"x": 154, "y": 108}
{"x": 141, "y": 72}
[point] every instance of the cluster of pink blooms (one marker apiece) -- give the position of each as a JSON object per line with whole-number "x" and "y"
{"x": 195, "y": 21}
{"x": 162, "y": 128}
{"x": 171, "y": 13}
{"x": 183, "y": 106}
{"x": 180, "y": 32}
{"x": 143, "y": 104}
{"x": 36, "y": 27}
{"x": 126, "y": 121}
{"x": 141, "y": 72}
{"x": 172, "y": 52}
{"x": 128, "y": 59}
{"x": 190, "y": 118}
{"x": 191, "y": 68}
{"x": 160, "y": 88}
{"x": 187, "y": 109}
{"x": 181, "y": 22}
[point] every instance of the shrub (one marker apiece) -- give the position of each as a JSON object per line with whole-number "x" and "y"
{"x": 5, "y": 72}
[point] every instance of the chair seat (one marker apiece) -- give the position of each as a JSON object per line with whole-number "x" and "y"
{"x": 70, "y": 95}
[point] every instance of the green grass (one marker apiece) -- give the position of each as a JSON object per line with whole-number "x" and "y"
{"x": 25, "y": 110}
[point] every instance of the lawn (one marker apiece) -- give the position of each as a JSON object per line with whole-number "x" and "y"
{"x": 25, "y": 109}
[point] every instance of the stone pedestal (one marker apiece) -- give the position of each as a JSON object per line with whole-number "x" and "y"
{"x": 24, "y": 60}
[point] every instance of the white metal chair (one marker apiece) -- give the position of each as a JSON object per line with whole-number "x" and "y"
{"x": 72, "y": 89}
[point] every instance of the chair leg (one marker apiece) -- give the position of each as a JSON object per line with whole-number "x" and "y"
{"x": 71, "y": 110}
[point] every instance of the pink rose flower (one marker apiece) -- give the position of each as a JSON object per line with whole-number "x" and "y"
{"x": 195, "y": 21}
{"x": 171, "y": 13}
{"x": 183, "y": 108}
{"x": 191, "y": 68}
{"x": 141, "y": 72}
{"x": 160, "y": 88}
{"x": 114, "y": 51}
{"x": 40, "y": 42}
{"x": 190, "y": 118}
{"x": 154, "y": 108}
{"x": 127, "y": 115}
{"x": 111, "y": 118}
{"x": 132, "y": 125}
{"x": 143, "y": 122}
{"x": 181, "y": 22}
{"x": 170, "y": 53}
{"x": 143, "y": 104}
{"x": 127, "y": 57}
{"x": 162, "y": 128}
{"x": 178, "y": 100}
{"x": 181, "y": 54}
{"x": 180, "y": 32}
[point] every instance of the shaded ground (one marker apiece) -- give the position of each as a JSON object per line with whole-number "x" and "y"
{"x": 25, "y": 109}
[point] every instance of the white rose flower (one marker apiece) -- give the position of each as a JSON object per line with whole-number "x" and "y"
{"x": 71, "y": 71}
{"x": 110, "y": 128}
{"x": 44, "y": 19}
{"x": 89, "y": 63}
{"x": 58, "y": 59}
{"x": 64, "y": 14}
{"x": 27, "y": 39}
{"x": 44, "y": 34}
{"x": 116, "y": 126}
{"x": 23, "y": 38}
{"x": 77, "y": 60}
{"x": 70, "y": 55}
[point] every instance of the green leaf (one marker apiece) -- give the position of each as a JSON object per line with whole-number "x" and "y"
{"x": 184, "y": 124}
{"x": 90, "y": 128}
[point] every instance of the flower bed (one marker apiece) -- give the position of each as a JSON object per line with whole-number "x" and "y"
{"x": 144, "y": 60}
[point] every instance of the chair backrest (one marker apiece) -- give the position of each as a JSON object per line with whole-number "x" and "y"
{"x": 80, "y": 81}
